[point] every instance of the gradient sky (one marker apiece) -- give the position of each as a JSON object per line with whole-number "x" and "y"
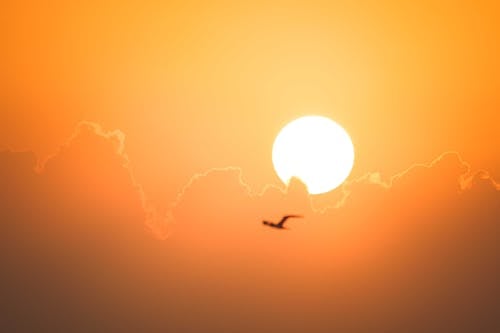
{"x": 164, "y": 113}
{"x": 196, "y": 85}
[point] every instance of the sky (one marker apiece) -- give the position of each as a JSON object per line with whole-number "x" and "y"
{"x": 135, "y": 166}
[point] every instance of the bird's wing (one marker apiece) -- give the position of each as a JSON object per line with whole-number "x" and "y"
{"x": 286, "y": 217}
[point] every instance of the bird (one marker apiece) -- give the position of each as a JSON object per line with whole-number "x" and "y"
{"x": 280, "y": 224}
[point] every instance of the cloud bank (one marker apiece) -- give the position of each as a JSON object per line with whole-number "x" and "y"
{"x": 84, "y": 250}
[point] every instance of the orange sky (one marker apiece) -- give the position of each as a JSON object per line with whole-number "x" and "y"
{"x": 159, "y": 116}
{"x": 196, "y": 85}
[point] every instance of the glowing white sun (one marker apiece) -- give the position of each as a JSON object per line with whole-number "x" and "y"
{"x": 316, "y": 150}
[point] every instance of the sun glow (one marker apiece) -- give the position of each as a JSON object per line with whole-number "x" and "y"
{"x": 316, "y": 150}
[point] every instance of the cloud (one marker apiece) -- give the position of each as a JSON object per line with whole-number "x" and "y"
{"x": 72, "y": 231}
{"x": 87, "y": 155}
{"x": 419, "y": 251}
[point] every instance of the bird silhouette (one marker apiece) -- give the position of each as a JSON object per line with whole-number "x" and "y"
{"x": 280, "y": 224}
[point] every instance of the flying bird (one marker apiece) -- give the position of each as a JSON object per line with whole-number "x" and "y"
{"x": 280, "y": 224}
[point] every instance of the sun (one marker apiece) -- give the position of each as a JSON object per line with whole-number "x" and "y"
{"x": 316, "y": 150}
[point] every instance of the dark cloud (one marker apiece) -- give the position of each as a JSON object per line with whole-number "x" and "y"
{"x": 419, "y": 252}
{"x": 73, "y": 234}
